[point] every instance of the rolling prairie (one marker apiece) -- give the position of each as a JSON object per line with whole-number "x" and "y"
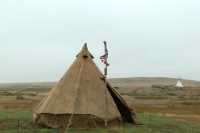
{"x": 155, "y": 100}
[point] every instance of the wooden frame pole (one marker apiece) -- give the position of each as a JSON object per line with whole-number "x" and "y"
{"x": 106, "y": 74}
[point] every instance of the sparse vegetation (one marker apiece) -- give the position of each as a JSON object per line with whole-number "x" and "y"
{"x": 160, "y": 110}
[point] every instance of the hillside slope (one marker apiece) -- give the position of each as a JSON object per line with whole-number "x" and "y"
{"x": 147, "y": 82}
{"x": 116, "y": 82}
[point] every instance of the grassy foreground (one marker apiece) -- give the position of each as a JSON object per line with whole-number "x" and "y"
{"x": 152, "y": 124}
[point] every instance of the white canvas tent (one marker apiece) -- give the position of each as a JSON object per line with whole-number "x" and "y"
{"x": 179, "y": 84}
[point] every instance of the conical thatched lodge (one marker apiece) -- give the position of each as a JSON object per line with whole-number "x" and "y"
{"x": 83, "y": 98}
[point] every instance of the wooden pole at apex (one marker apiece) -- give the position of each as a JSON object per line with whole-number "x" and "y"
{"x": 105, "y": 61}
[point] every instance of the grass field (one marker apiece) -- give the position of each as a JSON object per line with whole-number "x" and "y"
{"x": 158, "y": 110}
{"x": 152, "y": 123}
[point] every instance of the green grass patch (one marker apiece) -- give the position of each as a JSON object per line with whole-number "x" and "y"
{"x": 15, "y": 115}
{"x": 152, "y": 123}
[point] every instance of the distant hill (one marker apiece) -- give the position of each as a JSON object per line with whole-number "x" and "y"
{"x": 29, "y": 86}
{"x": 116, "y": 82}
{"x": 147, "y": 82}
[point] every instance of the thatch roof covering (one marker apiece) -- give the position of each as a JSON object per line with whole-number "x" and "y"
{"x": 81, "y": 91}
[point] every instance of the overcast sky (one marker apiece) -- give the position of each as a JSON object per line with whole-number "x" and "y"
{"x": 40, "y": 38}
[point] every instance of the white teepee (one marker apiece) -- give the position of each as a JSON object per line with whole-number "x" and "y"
{"x": 179, "y": 84}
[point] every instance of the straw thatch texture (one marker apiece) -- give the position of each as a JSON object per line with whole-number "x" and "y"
{"x": 81, "y": 93}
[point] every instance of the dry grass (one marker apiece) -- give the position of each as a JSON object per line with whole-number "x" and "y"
{"x": 181, "y": 105}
